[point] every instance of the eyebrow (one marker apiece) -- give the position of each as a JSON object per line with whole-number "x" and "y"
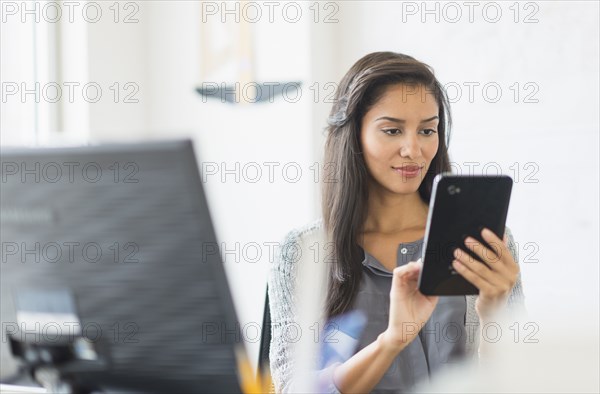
{"x": 402, "y": 120}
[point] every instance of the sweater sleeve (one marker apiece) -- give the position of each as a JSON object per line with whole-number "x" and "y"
{"x": 516, "y": 300}
{"x": 283, "y": 314}
{"x": 284, "y": 326}
{"x": 515, "y": 303}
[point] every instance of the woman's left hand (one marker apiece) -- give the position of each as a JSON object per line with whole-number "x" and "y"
{"x": 494, "y": 281}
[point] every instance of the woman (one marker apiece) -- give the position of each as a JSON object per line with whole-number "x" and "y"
{"x": 386, "y": 142}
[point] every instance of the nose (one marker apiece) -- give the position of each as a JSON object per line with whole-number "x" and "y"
{"x": 410, "y": 146}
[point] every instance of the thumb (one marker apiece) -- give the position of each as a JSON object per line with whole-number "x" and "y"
{"x": 407, "y": 269}
{"x": 405, "y": 274}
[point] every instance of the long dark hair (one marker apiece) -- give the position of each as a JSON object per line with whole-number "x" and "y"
{"x": 344, "y": 190}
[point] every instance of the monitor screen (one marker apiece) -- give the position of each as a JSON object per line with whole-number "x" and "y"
{"x": 115, "y": 244}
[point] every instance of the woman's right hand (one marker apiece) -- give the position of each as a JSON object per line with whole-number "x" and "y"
{"x": 409, "y": 308}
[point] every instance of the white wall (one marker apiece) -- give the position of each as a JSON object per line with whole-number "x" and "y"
{"x": 555, "y": 220}
{"x": 18, "y": 115}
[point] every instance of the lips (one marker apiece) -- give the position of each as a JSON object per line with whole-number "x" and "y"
{"x": 407, "y": 168}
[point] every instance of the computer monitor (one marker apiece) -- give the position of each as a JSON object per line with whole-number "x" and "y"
{"x": 109, "y": 251}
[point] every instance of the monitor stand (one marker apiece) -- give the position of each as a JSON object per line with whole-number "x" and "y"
{"x": 59, "y": 365}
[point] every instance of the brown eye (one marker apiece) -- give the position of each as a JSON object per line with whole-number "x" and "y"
{"x": 432, "y": 131}
{"x": 391, "y": 131}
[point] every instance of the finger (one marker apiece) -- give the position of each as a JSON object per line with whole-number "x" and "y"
{"x": 411, "y": 277}
{"x": 486, "y": 255}
{"x": 507, "y": 265}
{"x": 407, "y": 269}
{"x": 473, "y": 246}
{"x": 475, "y": 266}
{"x": 500, "y": 247}
{"x": 406, "y": 277}
{"x": 472, "y": 277}
{"x": 405, "y": 273}
{"x": 496, "y": 280}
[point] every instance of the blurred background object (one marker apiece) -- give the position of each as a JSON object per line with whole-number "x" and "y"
{"x": 538, "y": 353}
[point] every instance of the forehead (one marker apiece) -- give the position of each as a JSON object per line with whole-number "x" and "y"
{"x": 406, "y": 101}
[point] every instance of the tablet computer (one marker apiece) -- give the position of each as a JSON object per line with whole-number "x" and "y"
{"x": 460, "y": 206}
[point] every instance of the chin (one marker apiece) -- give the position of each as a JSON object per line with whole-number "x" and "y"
{"x": 398, "y": 185}
{"x": 405, "y": 188}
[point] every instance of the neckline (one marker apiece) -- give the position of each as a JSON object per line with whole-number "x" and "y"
{"x": 367, "y": 256}
{"x": 412, "y": 242}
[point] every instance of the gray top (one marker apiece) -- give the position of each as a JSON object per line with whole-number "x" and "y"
{"x": 437, "y": 343}
{"x": 441, "y": 340}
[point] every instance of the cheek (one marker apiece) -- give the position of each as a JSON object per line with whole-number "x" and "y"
{"x": 430, "y": 149}
{"x": 375, "y": 150}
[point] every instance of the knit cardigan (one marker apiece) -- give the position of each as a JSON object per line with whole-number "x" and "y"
{"x": 282, "y": 298}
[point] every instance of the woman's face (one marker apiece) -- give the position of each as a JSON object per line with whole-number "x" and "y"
{"x": 399, "y": 130}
